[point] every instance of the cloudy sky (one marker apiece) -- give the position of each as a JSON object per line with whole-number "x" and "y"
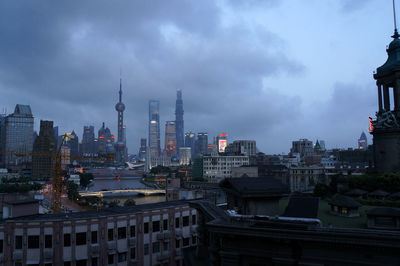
{"x": 269, "y": 70}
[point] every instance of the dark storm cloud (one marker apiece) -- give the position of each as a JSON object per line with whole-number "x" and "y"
{"x": 354, "y": 5}
{"x": 64, "y": 58}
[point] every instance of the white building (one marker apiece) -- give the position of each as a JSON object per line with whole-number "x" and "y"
{"x": 216, "y": 167}
{"x": 185, "y": 155}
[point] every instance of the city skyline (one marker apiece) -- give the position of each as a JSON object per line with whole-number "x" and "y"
{"x": 303, "y": 84}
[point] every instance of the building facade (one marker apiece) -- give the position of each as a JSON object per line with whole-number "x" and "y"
{"x": 44, "y": 150}
{"x": 150, "y": 234}
{"x": 190, "y": 139}
{"x": 170, "y": 147}
{"x": 17, "y": 135}
{"x": 217, "y": 167}
{"x": 185, "y": 156}
{"x": 142, "y": 149}
{"x": 88, "y": 141}
{"x": 244, "y": 147}
{"x": 304, "y": 178}
{"x": 304, "y": 147}
{"x": 179, "y": 120}
{"x": 201, "y": 144}
{"x": 363, "y": 142}
{"x": 154, "y": 133}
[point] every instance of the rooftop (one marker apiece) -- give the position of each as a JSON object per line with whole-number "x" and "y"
{"x": 254, "y": 186}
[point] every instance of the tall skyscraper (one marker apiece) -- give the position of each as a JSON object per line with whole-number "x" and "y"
{"x": 44, "y": 150}
{"x": 105, "y": 141}
{"x": 190, "y": 139}
{"x": 170, "y": 140}
{"x": 201, "y": 144}
{"x": 179, "y": 120}
{"x": 73, "y": 144}
{"x": 142, "y": 149}
{"x": 154, "y": 132}
{"x": 88, "y": 143}
{"x": 18, "y": 137}
{"x": 120, "y": 146}
{"x": 363, "y": 142}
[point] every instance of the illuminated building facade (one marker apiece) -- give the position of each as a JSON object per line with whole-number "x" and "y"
{"x": 179, "y": 120}
{"x": 73, "y": 145}
{"x": 154, "y": 132}
{"x": 44, "y": 149}
{"x": 142, "y": 149}
{"x": 17, "y": 137}
{"x": 185, "y": 155}
{"x": 217, "y": 167}
{"x": 105, "y": 141}
{"x": 170, "y": 149}
{"x": 221, "y": 142}
{"x": 120, "y": 146}
{"x": 363, "y": 142}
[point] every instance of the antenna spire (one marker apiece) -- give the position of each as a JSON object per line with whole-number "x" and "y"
{"x": 396, "y": 34}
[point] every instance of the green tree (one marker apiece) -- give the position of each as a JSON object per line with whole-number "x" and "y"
{"x": 85, "y": 179}
{"x": 129, "y": 202}
{"x": 72, "y": 191}
{"x": 114, "y": 203}
{"x": 321, "y": 190}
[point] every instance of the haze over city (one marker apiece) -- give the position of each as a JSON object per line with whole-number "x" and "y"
{"x": 272, "y": 71}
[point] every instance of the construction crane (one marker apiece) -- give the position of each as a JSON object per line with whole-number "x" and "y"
{"x": 57, "y": 176}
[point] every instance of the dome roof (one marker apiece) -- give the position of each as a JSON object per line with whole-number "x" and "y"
{"x": 393, "y": 61}
{"x": 120, "y": 107}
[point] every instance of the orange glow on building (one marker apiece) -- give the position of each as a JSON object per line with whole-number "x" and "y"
{"x": 371, "y": 125}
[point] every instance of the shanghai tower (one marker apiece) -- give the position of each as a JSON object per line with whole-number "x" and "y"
{"x": 179, "y": 120}
{"x": 120, "y": 146}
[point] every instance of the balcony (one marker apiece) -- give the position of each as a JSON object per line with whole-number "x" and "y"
{"x": 48, "y": 254}
{"x": 94, "y": 249}
{"x": 178, "y": 233}
{"x": 164, "y": 236}
{"x": 111, "y": 246}
{"x": 132, "y": 242}
{"x": 17, "y": 255}
{"x": 163, "y": 256}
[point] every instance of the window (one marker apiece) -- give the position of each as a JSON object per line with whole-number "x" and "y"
{"x": 344, "y": 210}
{"x": 177, "y": 243}
{"x": 67, "y": 240}
{"x": 122, "y": 257}
{"x": 1, "y": 246}
{"x": 81, "y": 239}
{"x": 33, "y": 241}
{"x": 94, "y": 237}
{"x": 146, "y": 249}
{"x": 111, "y": 259}
{"x": 121, "y": 232}
{"x": 165, "y": 246}
{"x": 165, "y": 224}
{"x": 133, "y": 231}
{"x": 67, "y": 263}
{"x": 156, "y": 247}
{"x": 146, "y": 228}
{"x": 194, "y": 219}
{"x": 110, "y": 234}
{"x": 133, "y": 253}
{"x": 18, "y": 242}
{"x": 177, "y": 222}
{"x": 186, "y": 241}
{"x": 156, "y": 226}
{"x": 48, "y": 241}
{"x": 95, "y": 262}
{"x": 81, "y": 263}
{"x": 185, "y": 220}
{"x": 194, "y": 240}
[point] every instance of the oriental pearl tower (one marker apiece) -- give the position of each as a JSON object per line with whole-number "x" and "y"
{"x": 120, "y": 146}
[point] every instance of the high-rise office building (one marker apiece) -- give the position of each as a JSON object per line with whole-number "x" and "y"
{"x": 44, "y": 150}
{"x": 221, "y": 142}
{"x": 73, "y": 145}
{"x": 363, "y": 142}
{"x": 88, "y": 140}
{"x": 170, "y": 149}
{"x": 243, "y": 147}
{"x": 185, "y": 155}
{"x": 17, "y": 137}
{"x": 179, "y": 120}
{"x": 2, "y": 128}
{"x": 120, "y": 146}
{"x": 142, "y": 149}
{"x": 201, "y": 145}
{"x": 190, "y": 140}
{"x": 154, "y": 132}
{"x": 105, "y": 141}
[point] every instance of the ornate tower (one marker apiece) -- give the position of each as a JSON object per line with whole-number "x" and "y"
{"x": 179, "y": 120}
{"x": 386, "y": 128}
{"x": 120, "y": 146}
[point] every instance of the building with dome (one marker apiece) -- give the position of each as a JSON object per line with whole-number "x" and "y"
{"x": 386, "y": 127}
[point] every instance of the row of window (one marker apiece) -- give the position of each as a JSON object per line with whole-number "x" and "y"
{"x": 81, "y": 238}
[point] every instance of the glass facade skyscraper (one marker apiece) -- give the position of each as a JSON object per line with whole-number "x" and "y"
{"x": 17, "y": 135}
{"x": 179, "y": 120}
{"x": 154, "y": 132}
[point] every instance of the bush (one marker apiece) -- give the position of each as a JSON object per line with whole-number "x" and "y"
{"x": 129, "y": 202}
{"x": 321, "y": 190}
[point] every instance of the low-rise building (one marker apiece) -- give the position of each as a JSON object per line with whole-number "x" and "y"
{"x": 217, "y": 167}
{"x": 304, "y": 178}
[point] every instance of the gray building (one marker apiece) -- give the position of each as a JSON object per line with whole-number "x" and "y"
{"x": 179, "y": 120}
{"x": 304, "y": 147}
{"x": 17, "y": 135}
{"x": 88, "y": 140}
{"x": 190, "y": 140}
{"x": 244, "y": 147}
{"x": 201, "y": 144}
{"x": 154, "y": 132}
{"x": 44, "y": 150}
